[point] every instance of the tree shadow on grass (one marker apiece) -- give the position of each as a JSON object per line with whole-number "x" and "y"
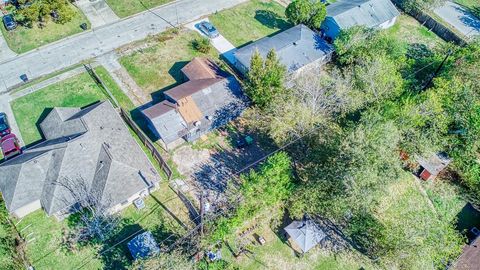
{"x": 271, "y": 19}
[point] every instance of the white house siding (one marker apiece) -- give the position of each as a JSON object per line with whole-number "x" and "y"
{"x": 27, "y": 209}
{"x": 388, "y": 23}
{"x": 119, "y": 207}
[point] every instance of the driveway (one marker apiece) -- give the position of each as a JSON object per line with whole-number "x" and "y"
{"x": 5, "y": 52}
{"x": 91, "y": 44}
{"x": 460, "y": 18}
{"x": 97, "y": 11}
{"x": 223, "y": 46}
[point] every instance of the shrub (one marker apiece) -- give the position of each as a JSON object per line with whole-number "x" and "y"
{"x": 202, "y": 45}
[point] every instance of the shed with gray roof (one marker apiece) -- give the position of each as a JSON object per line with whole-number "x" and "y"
{"x": 344, "y": 14}
{"x": 296, "y": 48}
{"x": 305, "y": 233}
{"x": 91, "y": 145}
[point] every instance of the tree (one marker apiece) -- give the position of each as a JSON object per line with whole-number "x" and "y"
{"x": 265, "y": 78}
{"x": 93, "y": 218}
{"x": 41, "y": 10}
{"x": 309, "y": 12}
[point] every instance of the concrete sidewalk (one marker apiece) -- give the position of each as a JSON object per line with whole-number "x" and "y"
{"x": 98, "y": 12}
{"x": 99, "y": 41}
{"x": 5, "y": 52}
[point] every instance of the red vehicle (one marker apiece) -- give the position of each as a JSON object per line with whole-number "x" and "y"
{"x": 10, "y": 146}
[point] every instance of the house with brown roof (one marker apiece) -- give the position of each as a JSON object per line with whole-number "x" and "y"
{"x": 208, "y": 99}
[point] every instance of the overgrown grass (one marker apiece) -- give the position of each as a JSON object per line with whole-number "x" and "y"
{"x": 410, "y": 31}
{"x": 9, "y": 257}
{"x": 250, "y": 21}
{"x": 158, "y": 67}
{"x": 24, "y": 39}
{"x": 124, "y": 8}
{"x": 468, "y": 3}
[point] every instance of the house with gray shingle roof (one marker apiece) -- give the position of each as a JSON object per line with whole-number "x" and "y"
{"x": 91, "y": 145}
{"x": 210, "y": 98}
{"x": 296, "y": 48}
{"x": 344, "y": 14}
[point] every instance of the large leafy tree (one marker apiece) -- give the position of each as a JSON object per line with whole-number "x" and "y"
{"x": 265, "y": 78}
{"x": 309, "y": 12}
{"x": 42, "y": 10}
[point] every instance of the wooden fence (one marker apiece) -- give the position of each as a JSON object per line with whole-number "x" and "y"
{"x": 126, "y": 117}
{"x": 148, "y": 143}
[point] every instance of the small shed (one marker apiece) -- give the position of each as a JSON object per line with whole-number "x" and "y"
{"x": 432, "y": 166}
{"x": 305, "y": 233}
{"x": 143, "y": 246}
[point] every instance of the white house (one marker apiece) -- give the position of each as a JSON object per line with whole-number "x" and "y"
{"x": 344, "y": 14}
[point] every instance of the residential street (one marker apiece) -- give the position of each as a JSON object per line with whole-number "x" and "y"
{"x": 99, "y": 41}
{"x": 460, "y": 18}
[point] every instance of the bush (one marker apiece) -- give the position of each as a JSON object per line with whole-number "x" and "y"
{"x": 202, "y": 45}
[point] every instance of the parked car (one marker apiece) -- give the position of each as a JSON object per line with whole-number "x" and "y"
{"x": 9, "y": 22}
{"x": 208, "y": 29}
{"x": 10, "y": 146}
{"x": 4, "y": 126}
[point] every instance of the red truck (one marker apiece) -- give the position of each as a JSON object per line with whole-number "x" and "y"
{"x": 10, "y": 146}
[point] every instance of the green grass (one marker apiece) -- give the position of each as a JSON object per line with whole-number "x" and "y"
{"x": 77, "y": 91}
{"x": 411, "y": 31}
{"x": 250, "y": 21}
{"x": 124, "y": 8}
{"x": 158, "y": 66}
{"x": 468, "y": 3}
{"x": 24, "y": 39}
{"x": 47, "y": 252}
{"x": 276, "y": 254}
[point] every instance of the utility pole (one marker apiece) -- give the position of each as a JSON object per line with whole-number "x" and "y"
{"x": 437, "y": 70}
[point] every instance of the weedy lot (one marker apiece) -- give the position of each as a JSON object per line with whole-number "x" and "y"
{"x": 124, "y": 8}
{"x": 24, "y": 39}
{"x": 158, "y": 66}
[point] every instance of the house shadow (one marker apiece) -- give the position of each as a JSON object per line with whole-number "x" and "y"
{"x": 42, "y": 117}
{"x": 117, "y": 256}
{"x": 467, "y": 219}
{"x": 271, "y": 19}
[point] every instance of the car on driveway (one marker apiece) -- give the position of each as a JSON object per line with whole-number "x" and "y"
{"x": 4, "y": 126}
{"x": 9, "y": 22}
{"x": 208, "y": 29}
{"x": 10, "y": 146}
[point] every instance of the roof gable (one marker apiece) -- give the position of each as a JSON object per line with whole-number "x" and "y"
{"x": 368, "y": 13}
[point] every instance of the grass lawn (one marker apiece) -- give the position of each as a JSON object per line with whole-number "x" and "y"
{"x": 158, "y": 66}
{"x": 411, "y": 31}
{"x": 25, "y": 39}
{"x": 468, "y": 3}
{"x": 124, "y": 8}
{"x": 46, "y": 251}
{"x": 250, "y": 21}
{"x": 77, "y": 91}
{"x": 276, "y": 254}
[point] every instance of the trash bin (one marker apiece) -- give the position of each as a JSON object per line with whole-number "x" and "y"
{"x": 84, "y": 26}
{"x": 24, "y": 77}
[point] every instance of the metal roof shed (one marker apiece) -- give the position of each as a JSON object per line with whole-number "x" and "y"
{"x": 306, "y": 234}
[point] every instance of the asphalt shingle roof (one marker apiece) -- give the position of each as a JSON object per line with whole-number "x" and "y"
{"x": 93, "y": 144}
{"x": 295, "y": 48}
{"x": 370, "y": 13}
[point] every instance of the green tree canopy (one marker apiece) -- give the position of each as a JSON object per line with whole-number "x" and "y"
{"x": 308, "y": 12}
{"x": 265, "y": 78}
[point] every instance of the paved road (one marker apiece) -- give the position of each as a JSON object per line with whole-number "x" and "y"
{"x": 460, "y": 18}
{"x": 102, "y": 40}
